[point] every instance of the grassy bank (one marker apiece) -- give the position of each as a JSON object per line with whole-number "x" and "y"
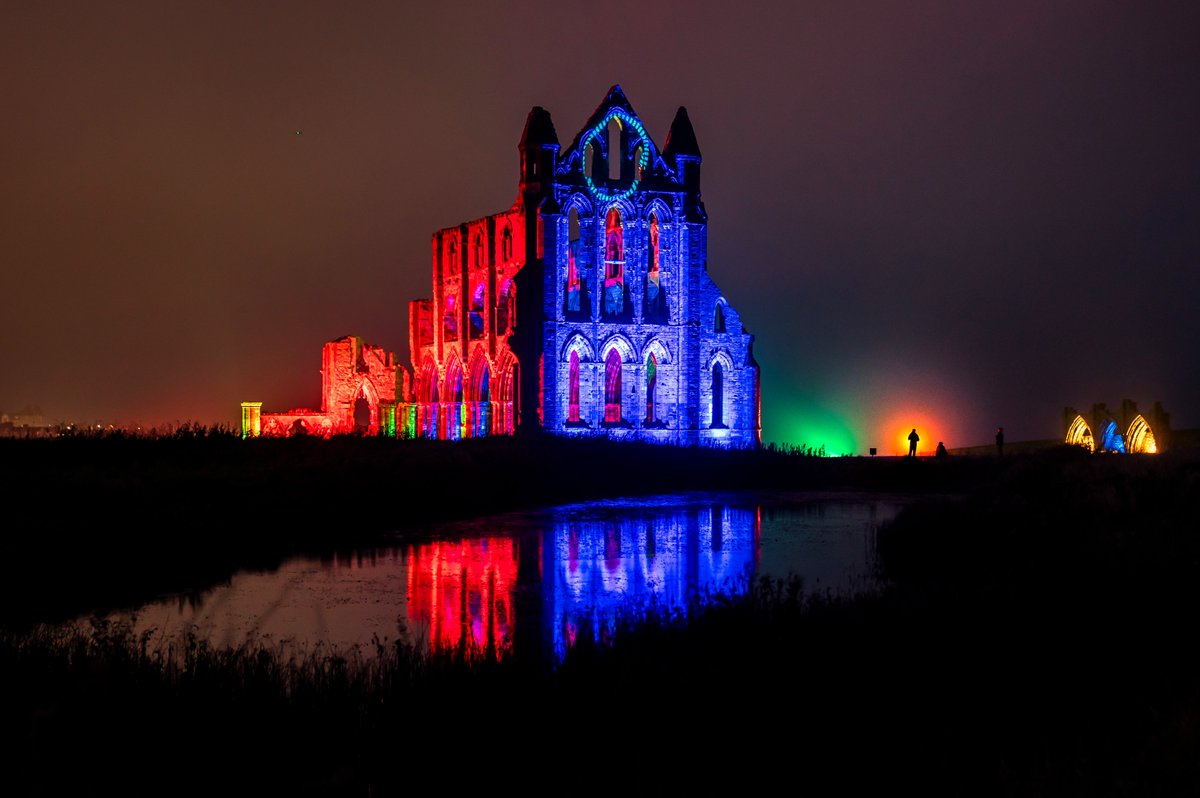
{"x": 1034, "y": 640}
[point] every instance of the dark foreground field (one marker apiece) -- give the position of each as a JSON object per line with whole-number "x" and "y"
{"x": 1036, "y": 638}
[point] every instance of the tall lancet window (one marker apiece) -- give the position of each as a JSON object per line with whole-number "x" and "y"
{"x": 612, "y": 386}
{"x": 651, "y": 387}
{"x": 718, "y": 396}
{"x": 614, "y": 149}
{"x": 573, "y": 390}
{"x": 574, "y": 288}
{"x": 477, "y": 252}
{"x": 653, "y": 285}
{"x": 614, "y": 263}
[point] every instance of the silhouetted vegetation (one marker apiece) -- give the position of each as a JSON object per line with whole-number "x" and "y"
{"x": 1033, "y": 638}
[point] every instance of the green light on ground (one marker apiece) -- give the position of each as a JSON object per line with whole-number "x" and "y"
{"x": 812, "y": 428}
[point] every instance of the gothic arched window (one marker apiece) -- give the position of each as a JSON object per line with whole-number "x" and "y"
{"x": 450, "y": 319}
{"x": 718, "y": 395}
{"x": 651, "y": 386}
{"x": 504, "y": 308}
{"x": 719, "y": 319}
{"x": 574, "y": 287}
{"x": 614, "y": 148}
{"x": 612, "y": 387}
{"x": 614, "y": 263}
{"x": 456, "y": 416}
{"x": 475, "y": 314}
{"x": 653, "y": 282}
{"x": 506, "y": 244}
{"x": 573, "y": 389}
{"x": 477, "y": 252}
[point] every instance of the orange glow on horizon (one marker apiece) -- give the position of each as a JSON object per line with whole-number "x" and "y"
{"x": 894, "y": 435}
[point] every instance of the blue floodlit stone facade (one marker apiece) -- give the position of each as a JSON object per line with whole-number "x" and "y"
{"x": 586, "y": 308}
{"x": 583, "y": 309}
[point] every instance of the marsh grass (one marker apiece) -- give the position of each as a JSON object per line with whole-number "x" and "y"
{"x": 1033, "y": 637}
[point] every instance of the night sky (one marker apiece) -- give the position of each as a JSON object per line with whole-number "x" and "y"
{"x": 950, "y": 215}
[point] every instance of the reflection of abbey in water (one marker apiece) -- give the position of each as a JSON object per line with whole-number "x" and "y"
{"x": 583, "y": 309}
{"x": 483, "y": 592}
{"x": 1126, "y": 431}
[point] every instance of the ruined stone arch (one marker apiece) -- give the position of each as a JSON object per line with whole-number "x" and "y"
{"x": 427, "y": 382}
{"x": 659, "y": 349}
{"x": 506, "y": 306}
{"x": 502, "y": 389}
{"x": 577, "y": 342}
{"x": 722, "y": 413}
{"x": 428, "y": 397}
{"x": 721, "y": 356}
{"x": 452, "y": 255}
{"x": 1139, "y": 438}
{"x": 1111, "y": 439}
{"x": 581, "y": 204}
{"x": 625, "y": 208}
{"x": 478, "y": 252}
{"x": 506, "y": 242}
{"x": 366, "y": 390}
{"x": 453, "y": 382}
{"x": 618, "y": 341}
{"x": 719, "y": 311}
{"x": 655, "y": 355}
{"x": 478, "y": 370}
{"x": 479, "y": 410}
{"x": 656, "y": 207}
{"x": 454, "y": 401}
{"x": 1080, "y": 434}
{"x": 614, "y": 257}
{"x": 504, "y": 393}
{"x": 576, "y": 350}
{"x": 579, "y": 207}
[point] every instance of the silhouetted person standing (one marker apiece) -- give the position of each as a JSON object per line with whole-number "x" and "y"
{"x": 913, "y": 437}
{"x": 1000, "y": 440}
{"x": 941, "y": 450}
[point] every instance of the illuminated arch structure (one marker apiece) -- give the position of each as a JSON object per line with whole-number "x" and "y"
{"x": 360, "y": 386}
{"x": 584, "y": 309}
{"x": 1127, "y": 431}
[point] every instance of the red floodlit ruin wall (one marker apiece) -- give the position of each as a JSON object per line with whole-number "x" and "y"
{"x": 362, "y": 389}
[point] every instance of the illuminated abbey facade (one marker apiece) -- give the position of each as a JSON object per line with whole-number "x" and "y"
{"x": 1101, "y": 430}
{"x": 584, "y": 309}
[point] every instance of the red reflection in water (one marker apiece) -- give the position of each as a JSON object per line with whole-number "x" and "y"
{"x": 463, "y": 591}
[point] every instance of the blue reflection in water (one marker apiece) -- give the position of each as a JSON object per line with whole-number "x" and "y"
{"x": 535, "y": 581}
{"x": 598, "y": 569}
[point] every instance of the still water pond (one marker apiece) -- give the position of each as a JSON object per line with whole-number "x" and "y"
{"x": 537, "y": 579}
